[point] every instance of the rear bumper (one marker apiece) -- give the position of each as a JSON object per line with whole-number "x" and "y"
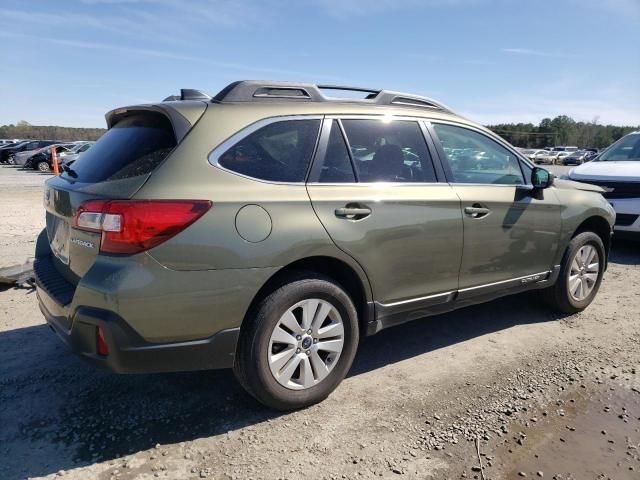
{"x": 154, "y": 319}
{"x": 129, "y": 353}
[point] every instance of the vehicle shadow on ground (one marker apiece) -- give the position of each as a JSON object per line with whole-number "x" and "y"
{"x": 59, "y": 413}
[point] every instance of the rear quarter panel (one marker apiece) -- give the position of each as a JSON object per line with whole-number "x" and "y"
{"x": 213, "y": 242}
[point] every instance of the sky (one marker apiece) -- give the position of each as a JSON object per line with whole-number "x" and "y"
{"x": 68, "y": 62}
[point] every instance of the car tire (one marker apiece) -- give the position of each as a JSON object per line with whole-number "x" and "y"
{"x": 11, "y": 160}
{"x": 43, "y": 166}
{"x": 577, "y": 283}
{"x": 287, "y": 375}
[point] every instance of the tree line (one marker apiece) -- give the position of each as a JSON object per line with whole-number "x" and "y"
{"x": 25, "y": 131}
{"x": 561, "y": 130}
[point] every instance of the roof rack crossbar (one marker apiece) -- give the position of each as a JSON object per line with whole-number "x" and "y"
{"x": 188, "y": 94}
{"x": 349, "y": 89}
{"x": 256, "y": 91}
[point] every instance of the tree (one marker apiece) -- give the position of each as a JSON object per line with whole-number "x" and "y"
{"x": 562, "y": 130}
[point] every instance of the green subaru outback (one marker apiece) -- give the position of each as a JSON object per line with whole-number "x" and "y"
{"x": 269, "y": 228}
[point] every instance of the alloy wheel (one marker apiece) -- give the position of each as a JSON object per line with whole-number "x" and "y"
{"x": 306, "y": 344}
{"x": 584, "y": 272}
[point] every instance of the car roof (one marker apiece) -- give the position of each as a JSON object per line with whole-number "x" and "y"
{"x": 261, "y": 99}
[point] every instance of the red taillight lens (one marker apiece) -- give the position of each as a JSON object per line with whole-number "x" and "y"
{"x": 101, "y": 343}
{"x": 133, "y": 226}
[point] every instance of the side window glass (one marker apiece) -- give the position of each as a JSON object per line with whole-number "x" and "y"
{"x": 475, "y": 158}
{"x": 279, "y": 152}
{"x": 336, "y": 167}
{"x": 389, "y": 151}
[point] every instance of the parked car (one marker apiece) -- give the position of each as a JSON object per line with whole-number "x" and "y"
{"x": 23, "y": 158}
{"x": 7, "y": 154}
{"x": 73, "y": 153}
{"x": 546, "y": 158}
{"x": 561, "y": 156}
{"x": 270, "y": 227}
{"x": 565, "y": 149}
{"x": 8, "y": 147}
{"x": 6, "y": 141}
{"x": 533, "y": 154}
{"x": 575, "y": 158}
{"x": 42, "y": 160}
{"x": 617, "y": 171}
{"x": 589, "y": 155}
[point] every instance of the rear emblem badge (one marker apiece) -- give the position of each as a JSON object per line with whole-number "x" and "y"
{"x": 82, "y": 243}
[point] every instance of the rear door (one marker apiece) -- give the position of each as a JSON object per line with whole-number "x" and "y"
{"x": 116, "y": 167}
{"x": 376, "y": 191}
{"x": 511, "y": 232}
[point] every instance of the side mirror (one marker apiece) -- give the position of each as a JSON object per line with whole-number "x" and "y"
{"x": 541, "y": 178}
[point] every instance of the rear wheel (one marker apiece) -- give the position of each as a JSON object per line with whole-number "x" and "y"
{"x": 11, "y": 160}
{"x": 299, "y": 344}
{"x": 580, "y": 274}
{"x": 43, "y": 166}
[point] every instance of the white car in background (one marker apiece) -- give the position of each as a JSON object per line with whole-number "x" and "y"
{"x": 617, "y": 170}
{"x": 532, "y": 153}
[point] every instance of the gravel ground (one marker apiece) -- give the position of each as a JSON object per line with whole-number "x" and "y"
{"x": 536, "y": 394}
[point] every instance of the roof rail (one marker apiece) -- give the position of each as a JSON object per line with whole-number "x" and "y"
{"x": 265, "y": 91}
{"x": 188, "y": 94}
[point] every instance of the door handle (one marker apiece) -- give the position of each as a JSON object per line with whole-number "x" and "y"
{"x": 476, "y": 211}
{"x": 353, "y": 213}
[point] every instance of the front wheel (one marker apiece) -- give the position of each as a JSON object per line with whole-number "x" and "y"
{"x": 299, "y": 344}
{"x": 580, "y": 274}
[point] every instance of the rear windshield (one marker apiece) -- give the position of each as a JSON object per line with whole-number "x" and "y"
{"x": 135, "y": 146}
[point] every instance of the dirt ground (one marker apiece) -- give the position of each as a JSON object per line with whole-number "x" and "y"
{"x": 500, "y": 391}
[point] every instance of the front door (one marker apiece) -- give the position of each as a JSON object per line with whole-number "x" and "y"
{"x": 511, "y": 231}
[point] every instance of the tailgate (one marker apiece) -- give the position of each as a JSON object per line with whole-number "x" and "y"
{"x": 115, "y": 168}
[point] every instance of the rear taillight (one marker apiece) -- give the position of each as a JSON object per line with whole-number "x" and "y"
{"x": 133, "y": 226}
{"x": 101, "y": 344}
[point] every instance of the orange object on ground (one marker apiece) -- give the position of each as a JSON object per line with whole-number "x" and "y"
{"x": 54, "y": 160}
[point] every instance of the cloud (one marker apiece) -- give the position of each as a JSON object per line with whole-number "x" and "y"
{"x": 227, "y": 13}
{"x": 57, "y": 20}
{"x": 349, "y": 8}
{"x": 536, "y": 53}
{"x": 247, "y": 68}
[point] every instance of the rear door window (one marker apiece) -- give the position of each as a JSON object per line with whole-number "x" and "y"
{"x": 134, "y": 146}
{"x": 278, "y": 152}
{"x": 389, "y": 151}
{"x": 336, "y": 167}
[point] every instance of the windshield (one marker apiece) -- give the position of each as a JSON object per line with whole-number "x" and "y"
{"x": 625, "y": 149}
{"x": 76, "y": 148}
{"x": 135, "y": 146}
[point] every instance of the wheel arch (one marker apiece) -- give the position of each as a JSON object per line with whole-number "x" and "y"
{"x": 354, "y": 282}
{"x": 601, "y": 227}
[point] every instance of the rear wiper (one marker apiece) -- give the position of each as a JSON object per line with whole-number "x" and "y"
{"x": 72, "y": 173}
